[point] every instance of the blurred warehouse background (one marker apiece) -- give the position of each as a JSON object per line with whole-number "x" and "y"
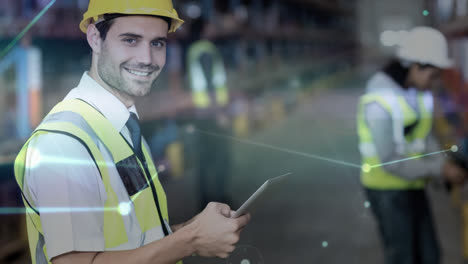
{"x": 294, "y": 72}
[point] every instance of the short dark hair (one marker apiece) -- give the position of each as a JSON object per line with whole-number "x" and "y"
{"x": 104, "y": 26}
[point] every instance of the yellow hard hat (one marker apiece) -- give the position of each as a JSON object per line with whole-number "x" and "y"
{"x": 163, "y": 8}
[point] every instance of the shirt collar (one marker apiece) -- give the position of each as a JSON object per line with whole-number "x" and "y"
{"x": 110, "y": 106}
{"x": 383, "y": 83}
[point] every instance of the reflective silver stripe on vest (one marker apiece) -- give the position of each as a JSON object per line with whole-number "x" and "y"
{"x": 398, "y": 122}
{"x": 40, "y": 255}
{"x": 198, "y": 78}
{"x": 368, "y": 149}
{"x": 75, "y": 119}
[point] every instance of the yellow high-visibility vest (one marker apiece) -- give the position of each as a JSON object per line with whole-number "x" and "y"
{"x": 78, "y": 119}
{"x": 200, "y": 95}
{"x": 408, "y": 145}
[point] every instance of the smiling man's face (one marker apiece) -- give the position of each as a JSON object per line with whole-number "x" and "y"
{"x": 133, "y": 54}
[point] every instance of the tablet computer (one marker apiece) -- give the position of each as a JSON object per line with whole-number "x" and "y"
{"x": 266, "y": 190}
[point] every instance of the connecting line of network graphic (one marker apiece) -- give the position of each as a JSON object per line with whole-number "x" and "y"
{"x": 368, "y": 167}
{"x": 124, "y": 208}
{"x": 289, "y": 151}
{"x": 365, "y": 167}
{"x": 26, "y": 29}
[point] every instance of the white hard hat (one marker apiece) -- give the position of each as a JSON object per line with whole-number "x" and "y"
{"x": 425, "y": 45}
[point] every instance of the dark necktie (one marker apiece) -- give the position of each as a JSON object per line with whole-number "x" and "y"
{"x": 135, "y": 133}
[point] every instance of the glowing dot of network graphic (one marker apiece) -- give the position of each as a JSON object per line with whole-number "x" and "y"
{"x": 366, "y": 168}
{"x": 124, "y": 208}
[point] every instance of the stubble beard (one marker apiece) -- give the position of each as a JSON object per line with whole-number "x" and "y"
{"x": 117, "y": 82}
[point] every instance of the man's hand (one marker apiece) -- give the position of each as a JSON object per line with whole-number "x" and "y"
{"x": 453, "y": 173}
{"x": 215, "y": 232}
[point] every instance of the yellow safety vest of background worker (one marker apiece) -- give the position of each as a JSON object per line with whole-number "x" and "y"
{"x": 207, "y": 80}
{"x": 411, "y": 123}
{"x": 394, "y": 123}
{"x": 201, "y": 95}
{"x": 412, "y": 144}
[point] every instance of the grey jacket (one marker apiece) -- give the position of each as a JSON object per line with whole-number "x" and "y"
{"x": 380, "y": 125}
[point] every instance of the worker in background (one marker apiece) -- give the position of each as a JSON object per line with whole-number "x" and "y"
{"x": 207, "y": 79}
{"x": 87, "y": 177}
{"x": 394, "y": 122}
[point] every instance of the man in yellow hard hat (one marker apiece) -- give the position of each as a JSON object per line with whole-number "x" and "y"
{"x": 87, "y": 178}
